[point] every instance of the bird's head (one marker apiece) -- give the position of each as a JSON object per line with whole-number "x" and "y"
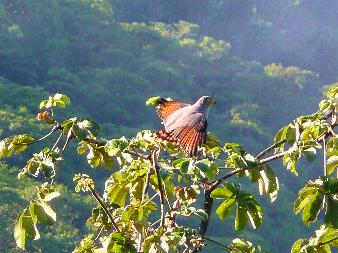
{"x": 206, "y": 100}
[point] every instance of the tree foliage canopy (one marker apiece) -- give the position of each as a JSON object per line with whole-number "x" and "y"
{"x": 153, "y": 187}
{"x": 109, "y": 56}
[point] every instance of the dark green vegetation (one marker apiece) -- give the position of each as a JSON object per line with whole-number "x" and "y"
{"x": 109, "y": 68}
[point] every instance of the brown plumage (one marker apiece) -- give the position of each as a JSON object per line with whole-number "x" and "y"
{"x": 185, "y": 125}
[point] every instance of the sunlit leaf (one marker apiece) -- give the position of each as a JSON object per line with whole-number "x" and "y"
{"x": 331, "y": 164}
{"x": 225, "y": 208}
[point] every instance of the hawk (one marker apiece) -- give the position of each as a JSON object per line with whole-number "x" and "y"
{"x": 185, "y": 125}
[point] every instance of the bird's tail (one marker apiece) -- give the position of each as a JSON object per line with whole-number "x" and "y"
{"x": 162, "y": 134}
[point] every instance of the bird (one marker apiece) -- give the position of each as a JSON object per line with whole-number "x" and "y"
{"x": 185, "y": 125}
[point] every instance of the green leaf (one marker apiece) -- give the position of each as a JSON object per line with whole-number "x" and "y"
{"x": 25, "y": 227}
{"x": 58, "y": 100}
{"x": 225, "y": 192}
{"x": 241, "y": 219}
{"x": 281, "y": 135}
{"x": 289, "y": 160}
{"x": 290, "y": 134}
{"x": 89, "y": 125}
{"x": 155, "y": 101}
{"x": 117, "y": 194}
{"x": 67, "y": 125}
{"x": 208, "y": 168}
{"x": 332, "y": 93}
{"x": 15, "y": 144}
{"x": 182, "y": 164}
{"x": 273, "y": 183}
{"x": 331, "y": 164}
{"x": 311, "y": 210}
{"x": 47, "y": 192}
{"x": 87, "y": 245}
{"x": 255, "y": 215}
{"x": 94, "y": 157}
{"x": 310, "y": 154}
{"x": 116, "y": 146}
{"x": 45, "y": 214}
{"x": 327, "y": 235}
{"x": 241, "y": 246}
{"x": 331, "y": 211}
{"x": 298, "y": 245}
{"x": 302, "y": 201}
{"x": 79, "y": 133}
{"x": 119, "y": 243}
{"x": 225, "y": 208}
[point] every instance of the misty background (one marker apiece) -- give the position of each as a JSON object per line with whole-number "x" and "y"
{"x": 266, "y": 62}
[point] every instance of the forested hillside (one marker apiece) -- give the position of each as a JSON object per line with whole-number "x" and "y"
{"x": 260, "y": 61}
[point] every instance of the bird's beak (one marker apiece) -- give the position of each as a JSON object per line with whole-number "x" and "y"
{"x": 211, "y": 101}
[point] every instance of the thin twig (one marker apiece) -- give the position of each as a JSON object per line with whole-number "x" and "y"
{"x": 324, "y": 157}
{"x": 104, "y": 207}
{"x": 216, "y": 183}
{"x": 160, "y": 186}
{"x": 57, "y": 141}
{"x": 325, "y": 203}
{"x": 272, "y": 158}
{"x": 154, "y": 223}
{"x": 277, "y": 144}
{"x": 99, "y": 233}
{"x": 146, "y": 186}
{"x": 69, "y": 138}
{"x": 268, "y": 149}
{"x": 167, "y": 199}
{"x": 217, "y": 243}
{"x": 144, "y": 194}
{"x": 54, "y": 129}
{"x": 150, "y": 199}
{"x": 134, "y": 153}
{"x": 97, "y": 142}
{"x": 52, "y": 180}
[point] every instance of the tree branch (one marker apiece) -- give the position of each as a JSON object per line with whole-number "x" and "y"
{"x": 272, "y": 158}
{"x": 144, "y": 194}
{"x": 160, "y": 186}
{"x": 207, "y": 206}
{"x": 216, "y": 183}
{"x": 104, "y": 207}
{"x": 210, "y": 186}
{"x": 268, "y": 149}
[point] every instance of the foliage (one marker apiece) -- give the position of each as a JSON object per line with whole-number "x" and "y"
{"x": 127, "y": 214}
{"x": 109, "y": 67}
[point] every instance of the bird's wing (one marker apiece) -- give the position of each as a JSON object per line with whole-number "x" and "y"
{"x": 192, "y": 137}
{"x": 169, "y": 107}
{"x": 188, "y": 137}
